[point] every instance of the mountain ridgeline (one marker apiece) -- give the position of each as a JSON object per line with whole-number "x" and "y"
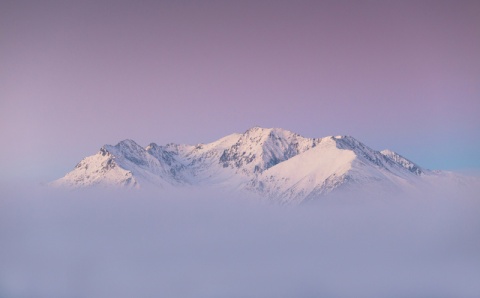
{"x": 273, "y": 163}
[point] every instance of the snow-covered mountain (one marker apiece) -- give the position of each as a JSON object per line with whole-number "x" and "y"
{"x": 276, "y": 164}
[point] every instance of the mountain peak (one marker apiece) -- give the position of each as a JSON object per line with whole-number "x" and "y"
{"x": 152, "y": 146}
{"x": 128, "y": 143}
{"x": 261, "y": 148}
{"x": 257, "y": 130}
{"x": 273, "y": 162}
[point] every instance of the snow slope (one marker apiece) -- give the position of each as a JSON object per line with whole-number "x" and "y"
{"x": 275, "y": 163}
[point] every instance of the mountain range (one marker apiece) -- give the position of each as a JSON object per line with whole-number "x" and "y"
{"x": 273, "y": 163}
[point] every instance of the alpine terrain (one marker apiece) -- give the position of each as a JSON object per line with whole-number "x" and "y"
{"x": 273, "y": 163}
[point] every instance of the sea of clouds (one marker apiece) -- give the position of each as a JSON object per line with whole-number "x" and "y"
{"x": 131, "y": 243}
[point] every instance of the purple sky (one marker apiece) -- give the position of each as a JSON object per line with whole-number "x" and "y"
{"x": 403, "y": 75}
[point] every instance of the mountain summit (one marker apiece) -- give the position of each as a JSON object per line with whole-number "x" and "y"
{"x": 277, "y": 164}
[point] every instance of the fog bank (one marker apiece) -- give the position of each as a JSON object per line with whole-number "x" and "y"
{"x": 206, "y": 244}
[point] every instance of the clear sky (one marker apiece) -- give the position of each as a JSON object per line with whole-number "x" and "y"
{"x": 75, "y": 75}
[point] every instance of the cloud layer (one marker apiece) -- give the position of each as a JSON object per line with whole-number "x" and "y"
{"x": 139, "y": 244}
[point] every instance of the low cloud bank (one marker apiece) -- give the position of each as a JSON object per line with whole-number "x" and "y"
{"x": 100, "y": 243}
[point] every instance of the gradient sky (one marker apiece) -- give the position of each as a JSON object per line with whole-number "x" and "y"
{"x": 75, "y": 75}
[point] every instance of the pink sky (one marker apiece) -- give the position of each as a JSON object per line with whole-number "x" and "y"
{"x": 403, "y": 75}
